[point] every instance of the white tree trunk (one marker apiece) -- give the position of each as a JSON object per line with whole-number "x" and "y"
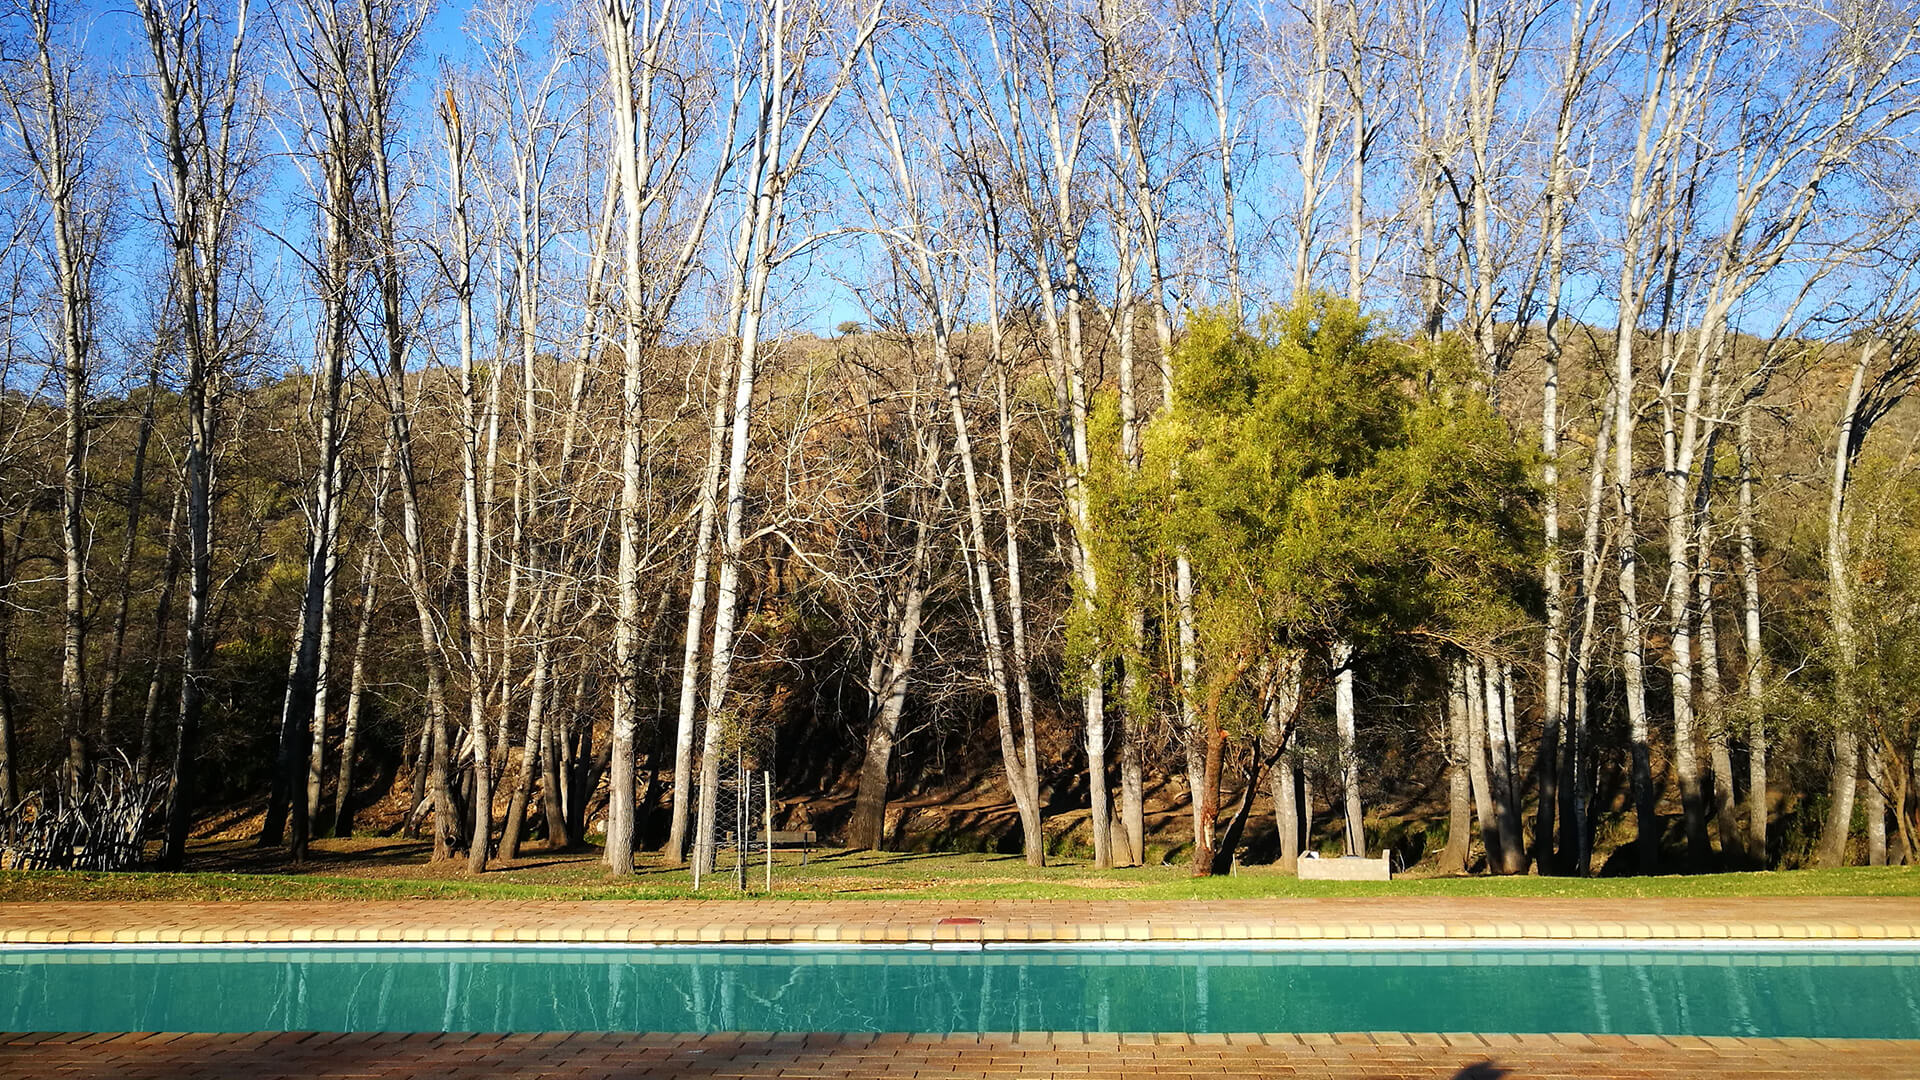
{"x": 1843, "y": 779}
{"x": 1344, "y": 720}
{"x": 1755, "y": 682}
{"x": 1456, "y": 856}
{"x": 1473, "y": 680}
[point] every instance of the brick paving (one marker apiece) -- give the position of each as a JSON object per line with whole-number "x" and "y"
{"x": 779, "y": 921}
{"x": 307, "y": 1056}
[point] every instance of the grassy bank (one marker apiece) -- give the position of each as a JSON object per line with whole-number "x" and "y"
{"x": 390, "y": 871}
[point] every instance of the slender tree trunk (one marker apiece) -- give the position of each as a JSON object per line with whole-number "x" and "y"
{"x": 1022, "y": 776}
{"x": 1007, "y": 673}
{"x": 193, "y": 667}
{"x": 1712, "y": 702}
{"x": 380, "y": 66}
{"x": 1876, "y": 807}
{"x": 1204, "y": 844}
{"x": 753, "y": 263}
{"x": 1456, "y": 856}
{"x": 136, "y": 503}
{"x": 617, "y": 30}
{"x": 1026, "y": 765}
{"x": 1843, "y": 779}
{"x": 1286, "y": 811}
{"x": 867, "y": 828}
{"x": 1546, "y": 765}
{"x": 1207, "y": 842}
{"x": 343, "y": 808}
{"x": 553, "y": 786}
{"x": 1223, "y": 860}
{"x": 1062, "y": 305}
{"x": 9, "y": 766}
{"x": 417, "y": 784}
{"x": 446, "y": 832}
{"x": 1357, "y": 175}
{"x": 1585, "y": 764}
{"x": 1720, "y": 750}
{"x": 1099, "y": 811}
{"x": 1094, "y": 692}
{"x": 1130, "y": 833}
{"x": 323, "y": 670}
{"x": 529, "y": 761}
{"x": 1578, "y": 758}
{"x": 1501, "y": 763}
{"x": 1677, "y": 452}
{"x": 73, "y": 485}
{"x": 1755, "y": 683}
{"x": 1306, "y": 810}
{"x": 474, "y": 498}
{"x": 1188, "y": 644}
{"x": 1662, "y": 120}
{"x": 1842, "y": 784}
{"x": 162, "y": 622}
{"x": 273, "y": 829}
{"x": 336, "y": 178}
{"x": 727, "y": 602}
{"x": 1342, "y": 662}
{"x": 684, "y": 731}
{"x": 1281, "y": 710}
{"x": 1223, "y": 127}
{"x": 73, "y": 262}
{"x": 1906, "y": 808}
{"x": 196, "y": 189}
{"x": 1315, "y": 145}
{"x": 1632, "y": 644}
{"x": 1473, "y": 680}
{"x": 756, "y": 229}
{"x": 1556, "y": 764}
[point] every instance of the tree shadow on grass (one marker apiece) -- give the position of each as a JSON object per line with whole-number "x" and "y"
{"x": 863, "y": 859}
{"x": 247, "y": 857}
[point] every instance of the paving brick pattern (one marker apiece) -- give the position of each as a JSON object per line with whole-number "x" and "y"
{"x": 741, "y": 921}
{"x": 306, "y": 1056}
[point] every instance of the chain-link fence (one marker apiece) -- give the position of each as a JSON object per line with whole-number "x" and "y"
{"x": 742, "y": 829}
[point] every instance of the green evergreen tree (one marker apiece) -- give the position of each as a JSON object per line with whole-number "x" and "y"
{"x": 1329, "y": 482}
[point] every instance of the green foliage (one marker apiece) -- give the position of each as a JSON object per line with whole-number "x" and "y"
{"x": 1886, "y": 590}
{"x": 1125, "y": 509}
{"x": 1327, "y": 481}
{"x": 1872, "y": 691}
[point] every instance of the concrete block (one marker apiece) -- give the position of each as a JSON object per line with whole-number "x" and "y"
{"x": 1350, "y": 868}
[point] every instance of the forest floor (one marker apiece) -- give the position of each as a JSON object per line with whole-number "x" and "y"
{"x": 375, "y": 868}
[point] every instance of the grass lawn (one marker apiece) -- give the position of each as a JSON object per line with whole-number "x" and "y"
{"x": 380, "y": 869}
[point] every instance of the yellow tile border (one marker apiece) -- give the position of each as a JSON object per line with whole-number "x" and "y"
{"x": 746, "y": 921}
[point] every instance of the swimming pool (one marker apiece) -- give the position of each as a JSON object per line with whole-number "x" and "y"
{"x": 1832, "y": 992}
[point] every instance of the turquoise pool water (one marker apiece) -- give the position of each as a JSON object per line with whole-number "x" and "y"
{"x": 1840, "y": 994}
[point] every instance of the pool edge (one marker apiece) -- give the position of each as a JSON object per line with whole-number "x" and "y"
{"x": 1810, "y": 946}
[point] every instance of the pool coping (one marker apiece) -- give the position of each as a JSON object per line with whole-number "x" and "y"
{"x": 1249, "y": 946}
